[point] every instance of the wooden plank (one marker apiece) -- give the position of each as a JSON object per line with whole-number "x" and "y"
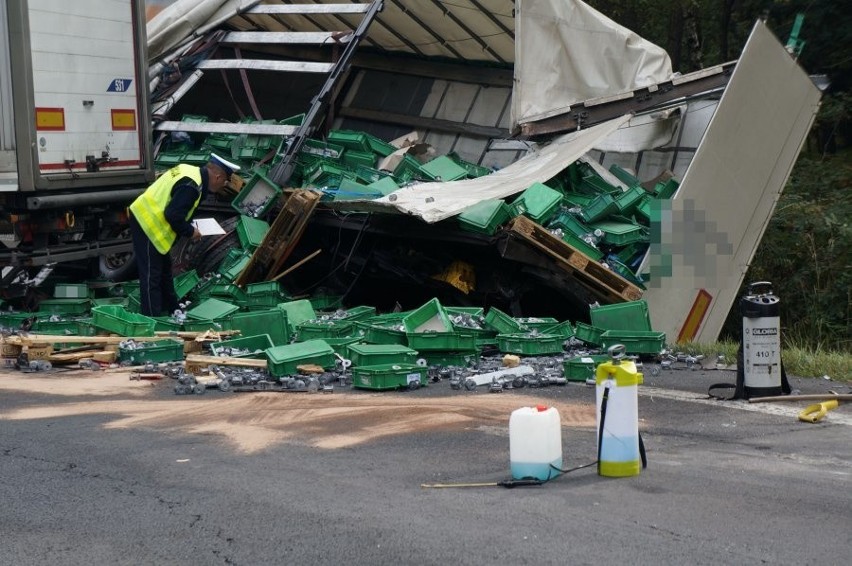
{"x": 62, "y": 339}
{"x": 282, "y": 237}
{"x": 267, "y": 65}
{"x": 608, "y": 284}
{"x": 72, "y": 357}
{"x": 186, "y": 335}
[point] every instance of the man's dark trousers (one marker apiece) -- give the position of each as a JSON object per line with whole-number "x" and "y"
{"x": 156, "y": 284}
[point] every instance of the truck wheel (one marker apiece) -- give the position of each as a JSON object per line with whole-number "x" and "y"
{"x": 206, "y": 254}
{"x": 119, "y": 266}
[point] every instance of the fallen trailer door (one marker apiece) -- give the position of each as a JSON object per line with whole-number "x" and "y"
{"x": 717, "y": 218}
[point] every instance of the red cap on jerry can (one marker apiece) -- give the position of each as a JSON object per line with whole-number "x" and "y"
{"x": 541, "y": 408}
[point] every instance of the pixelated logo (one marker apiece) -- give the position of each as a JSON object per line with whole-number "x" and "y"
{"x": 685, "y": 235}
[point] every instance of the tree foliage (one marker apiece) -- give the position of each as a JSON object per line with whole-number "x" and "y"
{"x": 806, "y": 251}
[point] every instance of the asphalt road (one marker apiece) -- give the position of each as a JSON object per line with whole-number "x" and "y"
{"x": 727, "y": 483}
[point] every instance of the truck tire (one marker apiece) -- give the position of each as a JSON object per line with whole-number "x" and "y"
{"x": 120, "y": 266}
{"x": 206, "y": 254}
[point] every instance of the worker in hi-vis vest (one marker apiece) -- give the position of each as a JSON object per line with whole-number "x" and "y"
{"x": 161, "y": 214}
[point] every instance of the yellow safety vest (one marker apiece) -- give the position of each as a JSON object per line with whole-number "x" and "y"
{"x": 149, "y": 208}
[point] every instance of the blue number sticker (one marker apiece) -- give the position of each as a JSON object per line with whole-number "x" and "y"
{"x": 119, "y": 85}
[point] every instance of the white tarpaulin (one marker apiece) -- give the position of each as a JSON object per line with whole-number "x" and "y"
{"x": 567, "y": 52}
{"x": 186, "y": 19}
{"x": 436, "y": 201}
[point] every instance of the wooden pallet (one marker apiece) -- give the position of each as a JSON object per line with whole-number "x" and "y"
{"x": 281, "y": 239}
{"x": 607, "y": 284}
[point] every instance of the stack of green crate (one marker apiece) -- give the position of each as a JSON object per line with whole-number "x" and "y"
{"x": 263, "y": 295}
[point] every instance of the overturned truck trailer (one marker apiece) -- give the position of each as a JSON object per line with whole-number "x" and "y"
{"x": 524, "y": 90}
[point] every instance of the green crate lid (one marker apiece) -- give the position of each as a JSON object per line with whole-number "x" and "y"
{"x": 444, "y": 168}
{"x": 485, "y": 216}
{"x": 298, "y": 312}
{"x": 384, "y": 186}
{"x": 298, "y": 351}
{"x": 539, "y": 202}
{"x": 212, "y": 309}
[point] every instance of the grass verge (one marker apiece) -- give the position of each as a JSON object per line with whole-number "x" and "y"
{"x": 798, "y": 360}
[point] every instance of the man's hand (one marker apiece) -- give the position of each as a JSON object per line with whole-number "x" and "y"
{"x": 196, "y": 234}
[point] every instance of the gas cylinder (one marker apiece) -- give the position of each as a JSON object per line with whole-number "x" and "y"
{"x": 761, "y": 341}
{"x": 616, "y": 396}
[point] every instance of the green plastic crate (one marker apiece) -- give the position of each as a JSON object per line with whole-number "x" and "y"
{"x": 632, "y": 315}
{"x": 298, "y": 312}
{"x": 166, "y": 324}
{"x": 627, "y": 201}
{"x": 380, "y": 147}
{"x": 257, "y": 196}
{"x": 447, "y": 359}
{"x": 64, "y": 306}
{"x": 350, "y": 140}
{"x": 341, "y": 345}
{"x": 321, "y": 329}
{"x": 485, "y": 216}
{"x": 272, "y": 322}
{"x": 594, "y": 183}
{"x": 601, "y": 206}
{"x": 530, "y": 344}
{"x": 588, "y": 333}
{"x": 325, "y": 302}
{"x": 539, "y": 202}
{"x": 167, "y": 350}
{"x": 537, "y": 322}
{"x": 381, "y": 354}
{"x": 409, "y": 169}
{"x": 56, "y": 327}
{"x": 205, "y": 325}
{"x": 635, "y": 342}
{"x": 265, "y": 295}
{"x": 118, "y": 320}
{"x": 251, "y": 231}
{"x": 581, "y": 368}
{"x": 443, "y": 168}
{"x": 569, "y": 223}
{"x": 389, "y": 376}
{"x": 454, "y": 341}
{"x": 666, "y": 189}
{"x": 284, "y": 360}
{"x": 231, "y": 270}
{"x": 227, "y": 292}
{"x": 576, "y": 199}
{"x": 643, "y": 208}
{"x": 256, "y": 346}
{"x": 624, "y": 176}
{"x": 359, "y": 158}
{"x": 473, "y": 170}
{"x": 620, "y": 233}
{"x": 581, "y": 246}
{"x": 502, "y": 322}
{"x": 14, "y": 319}
{"x": 211, "y": 309}
{"x": 383, "y": 332}
{"x": 185, "y": 282}
{"x": 109, "y": 301}
{"x": 429, "y": 317}
{"x": 563, "y": 329}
